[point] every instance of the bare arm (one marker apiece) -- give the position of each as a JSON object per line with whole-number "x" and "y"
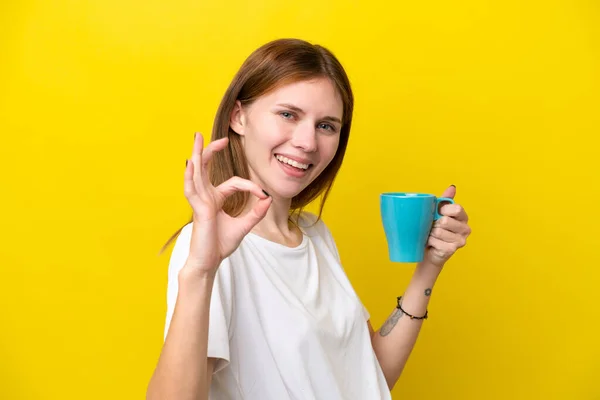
{"x": 394, "y": 341}
{"x": 183, "y": 371}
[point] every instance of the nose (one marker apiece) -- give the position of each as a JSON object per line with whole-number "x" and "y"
{"x": 305, "y": 138}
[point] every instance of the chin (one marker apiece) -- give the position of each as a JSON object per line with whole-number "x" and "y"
{"x": 288, "y": 193}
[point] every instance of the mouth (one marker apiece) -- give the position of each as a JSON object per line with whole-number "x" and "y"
{"x": 292, "y": 163}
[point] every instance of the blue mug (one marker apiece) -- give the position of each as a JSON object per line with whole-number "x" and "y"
{"x": 407, "y": 221}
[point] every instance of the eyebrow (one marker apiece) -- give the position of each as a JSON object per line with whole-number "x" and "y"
{"x": 299, "y": 110}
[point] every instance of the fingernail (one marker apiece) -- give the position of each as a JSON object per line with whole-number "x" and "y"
{"x": 186, "y": 162}
{"x": 453, "y": 185}
{"x": 264, "y": 191}
{"x": 195, "y": 134}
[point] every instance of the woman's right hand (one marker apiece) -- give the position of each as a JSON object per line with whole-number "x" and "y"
{"x": 215, "y": 234}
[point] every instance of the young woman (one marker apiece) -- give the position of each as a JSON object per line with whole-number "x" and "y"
{"x": 259, "y": 306}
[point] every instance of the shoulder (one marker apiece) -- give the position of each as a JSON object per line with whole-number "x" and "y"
{"x": 311, "y": 222}
{"x": 313, "y": 226}
{"x": 186, "y": 233}
{"x": 181, "y": 248}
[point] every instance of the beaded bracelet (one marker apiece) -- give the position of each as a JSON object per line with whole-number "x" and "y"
{"x": 411, "y": 316}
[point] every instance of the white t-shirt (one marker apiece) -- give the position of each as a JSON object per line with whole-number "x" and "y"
{"x": 285, "y": 323}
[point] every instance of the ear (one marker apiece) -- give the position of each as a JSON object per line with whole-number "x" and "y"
{"x": 237, "y": 119}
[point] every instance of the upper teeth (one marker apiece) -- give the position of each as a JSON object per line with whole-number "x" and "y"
{"x": 291, "y": 162}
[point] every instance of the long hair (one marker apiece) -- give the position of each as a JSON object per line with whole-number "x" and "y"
{"x": 269, "y": 67}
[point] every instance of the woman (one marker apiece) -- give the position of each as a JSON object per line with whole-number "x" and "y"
{"x": 259, "y": 306}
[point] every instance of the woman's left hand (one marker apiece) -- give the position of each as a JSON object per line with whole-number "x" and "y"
{"x": 449, "y": 233}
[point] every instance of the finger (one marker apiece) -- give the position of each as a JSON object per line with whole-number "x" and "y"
{"x": 207, "y": 156}
{"x": 448, "y": 237}
{"x": 450, "y": 192}
{"x": 441, "y": 249}
{"x": 189, "y": 188}
{"x": 237, "y": 184}
{"x": 196, "y": 160}
{"x": 213, "y": 148}
{"x": 255, "y": 215}
{"x": 455, "y": 211}
{"x": 453, "y": 225}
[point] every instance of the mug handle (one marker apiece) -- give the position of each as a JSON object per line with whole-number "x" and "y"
{"x": 439, "y": 200}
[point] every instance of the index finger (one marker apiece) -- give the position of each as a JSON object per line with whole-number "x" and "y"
{"x": 198, "y": 146}
{"x": 196, "y": 160}
{"x": 454, "y": 210}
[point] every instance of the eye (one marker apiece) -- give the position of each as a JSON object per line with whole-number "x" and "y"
{"x": 327, "y": 127}
{"x": 286, "y": 114}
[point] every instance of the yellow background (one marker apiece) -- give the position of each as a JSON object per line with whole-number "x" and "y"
{"x": 98, "y": 104}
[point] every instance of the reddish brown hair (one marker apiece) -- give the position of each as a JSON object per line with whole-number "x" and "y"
{"x": 271, "y": 66}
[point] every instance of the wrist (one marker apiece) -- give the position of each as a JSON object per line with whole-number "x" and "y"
{"x": 423, "y": 278}
{"x": 194, "y": 276}
{"x": 428, "y": 269}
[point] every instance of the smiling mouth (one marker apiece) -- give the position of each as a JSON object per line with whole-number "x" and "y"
{"x": 292, "y": 163}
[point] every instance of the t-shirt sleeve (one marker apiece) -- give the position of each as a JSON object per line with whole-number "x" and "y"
{"x": 221, "y": 304}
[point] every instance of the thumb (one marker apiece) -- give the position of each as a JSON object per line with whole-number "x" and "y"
{"x": 257, "y": 213}
{"x": 450, "y": 192}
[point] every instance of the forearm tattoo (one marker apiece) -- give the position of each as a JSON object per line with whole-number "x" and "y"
{"x": 393, "y": 319}
{"x": 391, "y": 322}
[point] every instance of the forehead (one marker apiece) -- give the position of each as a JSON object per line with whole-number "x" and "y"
{"x": 318, "y": 96}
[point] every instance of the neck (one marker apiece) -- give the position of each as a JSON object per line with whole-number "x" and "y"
{"x": 275, "y": 224}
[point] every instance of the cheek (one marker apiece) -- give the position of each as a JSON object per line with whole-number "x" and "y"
{"x": 280, "y": 129}
{"x": 328, "y": 147}
{"x": 272, "y": 130}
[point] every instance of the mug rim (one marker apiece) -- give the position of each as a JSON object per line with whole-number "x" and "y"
{"x": 407, "y": 195}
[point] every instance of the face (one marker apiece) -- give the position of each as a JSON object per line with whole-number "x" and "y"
{"x": 290, "y": 135}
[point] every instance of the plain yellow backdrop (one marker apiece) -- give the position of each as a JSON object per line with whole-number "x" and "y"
{"x": 99, "y": 101}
